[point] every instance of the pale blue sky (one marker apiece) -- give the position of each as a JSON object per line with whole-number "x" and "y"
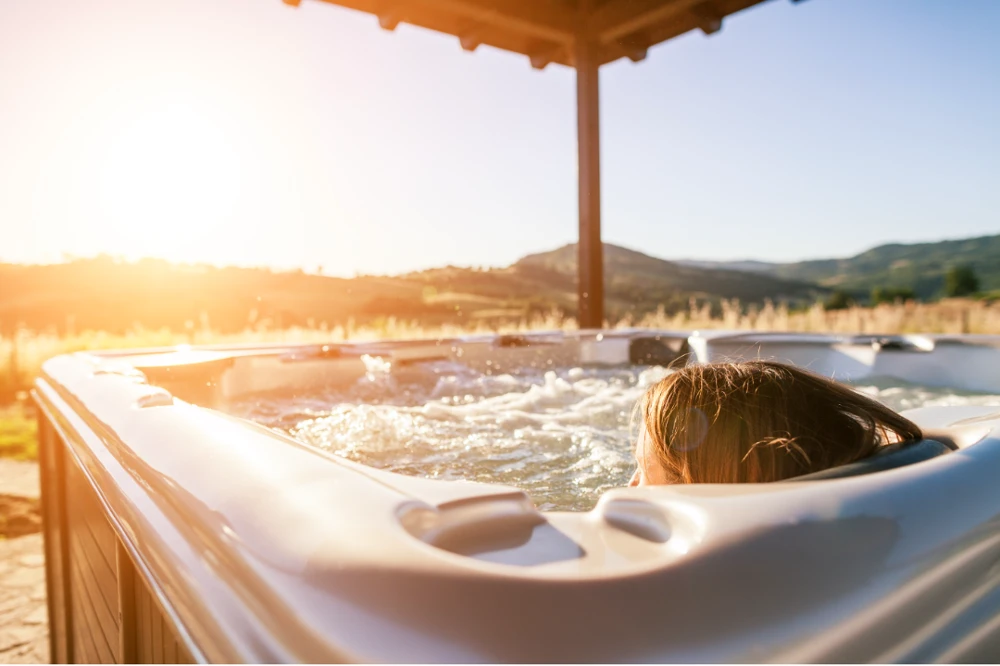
{"x": 246, "y": 131}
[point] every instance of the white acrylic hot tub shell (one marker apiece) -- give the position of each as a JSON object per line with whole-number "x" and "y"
{"x": 258, "y": 548}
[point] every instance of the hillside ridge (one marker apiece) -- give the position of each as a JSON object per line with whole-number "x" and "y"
{"x": 102, "y": 293}
{"x": 920, "y": 267}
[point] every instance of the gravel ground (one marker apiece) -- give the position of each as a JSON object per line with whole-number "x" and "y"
{"x": 24, "y": 627}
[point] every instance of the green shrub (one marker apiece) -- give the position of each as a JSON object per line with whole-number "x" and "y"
{"x": 838, "y": 300}
{"x": 960, "y": 281}
{"x": 892, "y": 295}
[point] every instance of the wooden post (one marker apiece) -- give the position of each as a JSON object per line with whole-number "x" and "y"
{"x": 51, "y": 461}
{"x": 590, "y": 282}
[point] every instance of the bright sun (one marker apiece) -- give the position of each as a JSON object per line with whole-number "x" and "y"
{"x": 169, "y": 180}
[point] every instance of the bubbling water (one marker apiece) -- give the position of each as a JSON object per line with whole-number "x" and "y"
{"x": 901, "y": 396}
{"x": 562, "y": 435}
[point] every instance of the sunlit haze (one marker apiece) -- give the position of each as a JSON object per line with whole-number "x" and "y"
{"x": 250, "y": 132}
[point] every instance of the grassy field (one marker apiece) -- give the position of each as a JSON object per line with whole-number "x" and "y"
{"x": 18, "y": 431}
{"x": 22, "y": 355}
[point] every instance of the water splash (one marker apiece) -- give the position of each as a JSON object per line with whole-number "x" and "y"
{"x": 562, "y": 435}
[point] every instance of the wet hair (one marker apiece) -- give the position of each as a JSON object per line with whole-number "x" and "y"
{"x": 761, "y": 421}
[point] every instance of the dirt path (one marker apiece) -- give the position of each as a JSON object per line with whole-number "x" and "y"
{"x": 23, "y": 613}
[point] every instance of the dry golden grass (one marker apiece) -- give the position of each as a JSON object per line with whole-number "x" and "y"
{"x": 947, "y": 316}
{"x": 22, "y": 355}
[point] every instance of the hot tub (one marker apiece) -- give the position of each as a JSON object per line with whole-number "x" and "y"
{"x": 175, "y": 530}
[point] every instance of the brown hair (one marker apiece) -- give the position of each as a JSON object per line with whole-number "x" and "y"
{"x": 759, "y": 421}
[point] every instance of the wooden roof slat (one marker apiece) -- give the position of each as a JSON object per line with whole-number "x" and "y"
{"x": 550, "y": 21}
{"x": 615, "y": 20}
{"x": 545, "y": 30}
{"x": 540, "y": 19}
{"x": 658, "y": 26}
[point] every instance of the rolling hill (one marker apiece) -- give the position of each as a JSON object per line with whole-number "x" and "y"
{"x": 917, "y": 266}
{"x": 106, "y": 294}
{"x": 634, "y": 280}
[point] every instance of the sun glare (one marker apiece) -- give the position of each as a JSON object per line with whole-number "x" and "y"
{"x": 169, "y": 180}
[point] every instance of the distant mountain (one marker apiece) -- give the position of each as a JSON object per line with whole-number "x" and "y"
{"x": 917, "y": 266}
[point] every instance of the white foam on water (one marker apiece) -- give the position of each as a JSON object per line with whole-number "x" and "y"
{"x": 562, "y": 435}
{"x": 902, "y": 396}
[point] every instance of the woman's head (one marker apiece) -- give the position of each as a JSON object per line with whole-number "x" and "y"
{"x": 756, "y": 421}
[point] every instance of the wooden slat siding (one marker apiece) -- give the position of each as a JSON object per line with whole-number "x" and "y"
{"x": 88, "y": 618}
{"x": 84, "y": 644}
{"x": 51, "y": 456}
{"x": 90, "y": 571}
{"x": 145, "y": 611}
{"x": 93, "y": 531}
{"x": 84, "y": 626}
{"x": 127, "y": 630}
{"x": 96, "y": 527}
{"x": 157, "y": 643}
{"x": 103, "y": 535}
{"x": 81, "y": 639}
{"x": 83, "y": 647}
{"x": 183, "y": 657}
{"x": 94, "y": 581}
{"x": 170, "y": 650}
{"x": 103, "y": 614}
{"x": 144, "y": 637}
{"x": 90, "y": 524}
{"x": 157, "y": 637}
{"x": 147, "y": 629}
{"x": 106, "y": 579}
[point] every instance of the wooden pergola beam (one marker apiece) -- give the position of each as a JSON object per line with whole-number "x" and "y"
{"x": 536, "y": 20}
{"x": 616, "y": 20}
